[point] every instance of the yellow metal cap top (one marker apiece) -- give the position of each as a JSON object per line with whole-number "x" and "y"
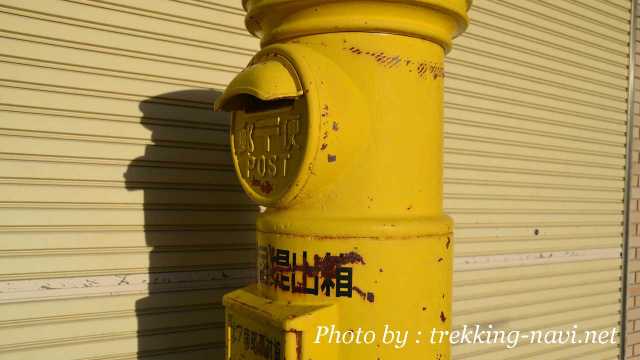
{"x": 434, "y": 20}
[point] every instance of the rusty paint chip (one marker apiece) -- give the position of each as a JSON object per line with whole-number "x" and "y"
{"x": 329, "y": 264}
{"x": 442, "y": 317}
{"x": 264, "y": 186}
{"x": 371, "y": 297}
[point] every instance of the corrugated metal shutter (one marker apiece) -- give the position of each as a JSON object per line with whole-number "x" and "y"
{"x": 535, "y": 126}
{"x": 112, "y": 163}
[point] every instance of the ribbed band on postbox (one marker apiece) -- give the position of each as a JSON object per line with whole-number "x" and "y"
{"x": 434, "y": 20}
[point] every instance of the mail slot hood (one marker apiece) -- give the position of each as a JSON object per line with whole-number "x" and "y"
{"x": 265, "y": 80}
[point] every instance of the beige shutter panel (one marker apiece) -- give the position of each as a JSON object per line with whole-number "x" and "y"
{"x": 112, "y": 164}
{"x": 535, "y": 134}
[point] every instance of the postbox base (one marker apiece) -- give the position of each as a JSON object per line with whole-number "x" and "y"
{"x": 308, "y": 285}
{"x": 258, "y": 328}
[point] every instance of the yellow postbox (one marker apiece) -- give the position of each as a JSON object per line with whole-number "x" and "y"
{"x": 337, "y": 131}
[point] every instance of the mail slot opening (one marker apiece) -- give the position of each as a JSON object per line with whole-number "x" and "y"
{"x": 251, "y": 104}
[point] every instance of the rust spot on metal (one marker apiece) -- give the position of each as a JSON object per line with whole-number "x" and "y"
{"x": 440, "y": 259}
{"x": 369, "y": 296}
{"x": 409, "y": 207}
{"x": 448, "y": 242}
{"x": 424, "y": 308}
{"x": 323, "y": 146}
{"x": 298, "y": 342}
{"x": 325, "y": 111}
{"x": 264, "y": 186}
{"x": 381, "y": 270}
{"x": 310, "y": 168}
{"x": 355, "y": 50}
{"x": 422, "y": 68}
{"x": 335, "y": 126}
{"x": 329, "y": 264}
{"x": 442, "y": 317}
